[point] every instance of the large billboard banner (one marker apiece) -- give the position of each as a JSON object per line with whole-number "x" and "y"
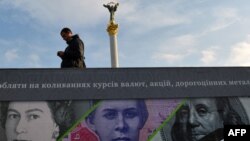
{"x": 132, "y": 104}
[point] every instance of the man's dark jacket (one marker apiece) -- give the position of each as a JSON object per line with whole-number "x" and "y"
{"x": 73, "y": 55}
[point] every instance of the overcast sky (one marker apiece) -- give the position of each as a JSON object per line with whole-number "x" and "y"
{"x": 159, "y": 33}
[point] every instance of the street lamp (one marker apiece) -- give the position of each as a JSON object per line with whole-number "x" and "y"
{"x": 112, "y": 29}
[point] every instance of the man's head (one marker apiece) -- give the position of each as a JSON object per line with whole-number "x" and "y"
{"x": 199, "y": 117}
{"x": 118, "y": 119}
{"x": 66, "y": 34}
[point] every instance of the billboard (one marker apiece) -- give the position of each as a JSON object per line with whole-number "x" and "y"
{"x": 128, "y": 104}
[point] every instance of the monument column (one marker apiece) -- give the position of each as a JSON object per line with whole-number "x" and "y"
{"x": 112, "y": 30}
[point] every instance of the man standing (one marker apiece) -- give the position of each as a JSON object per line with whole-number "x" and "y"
{"x": 73, "y": 56}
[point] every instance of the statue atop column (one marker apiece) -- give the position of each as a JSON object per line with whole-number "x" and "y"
{"x": 112, "y": 7}
{"x": 112, "y": 30}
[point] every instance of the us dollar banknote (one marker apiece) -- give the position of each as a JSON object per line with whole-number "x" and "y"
{"x": 203, "y": 119}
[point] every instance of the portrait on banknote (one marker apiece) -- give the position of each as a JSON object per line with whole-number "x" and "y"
{"x": 203, "y": 119}
{"x": 118, "y": 119}
{"x": 135, "y": 120}
{"x": 37, "y": 120}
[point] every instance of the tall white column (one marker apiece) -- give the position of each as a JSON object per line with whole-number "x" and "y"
{"x": 114, "y": 51}
{"x": 113, "y": 30}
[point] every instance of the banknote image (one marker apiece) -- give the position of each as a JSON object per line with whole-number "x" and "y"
{"x": 81, "y": 133}
{"x": 134, "y": 120}
{"x": 118, "y": 119}
{"x": 37, "y": 120}
{"x": 203, "y": 119}
{"x": 112, "y": 120}
{"x": 159, "y": 111}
